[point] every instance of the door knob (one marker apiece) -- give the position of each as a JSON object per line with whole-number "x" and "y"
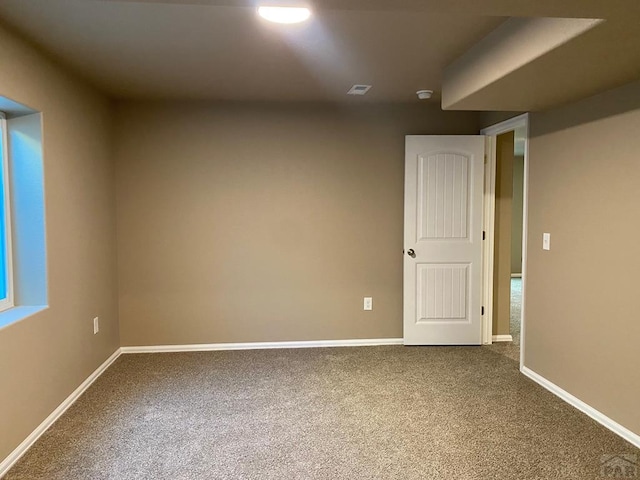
{"x": 411, "y": 253}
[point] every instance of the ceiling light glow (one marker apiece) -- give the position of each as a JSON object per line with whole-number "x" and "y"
{"x": 284, "y": 14}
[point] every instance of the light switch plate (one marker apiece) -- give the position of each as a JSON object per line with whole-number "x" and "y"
{"x": 546, "y": 241}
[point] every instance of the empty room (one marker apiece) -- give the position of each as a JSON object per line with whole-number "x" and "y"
{"x": 243, "y": 239}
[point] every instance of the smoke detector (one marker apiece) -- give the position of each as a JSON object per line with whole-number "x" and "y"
{"x": 424, "y": 94}
{"x": 359, "y": 89}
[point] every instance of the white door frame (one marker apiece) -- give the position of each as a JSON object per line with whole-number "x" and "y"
{"x": 489, "y": 223}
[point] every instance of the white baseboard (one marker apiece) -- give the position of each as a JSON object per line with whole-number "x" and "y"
{"x": 502, "y": 338}
{"x": 208, "y": 347}
{"x": 599, "y": 417}
{"x": 14, "y": 456}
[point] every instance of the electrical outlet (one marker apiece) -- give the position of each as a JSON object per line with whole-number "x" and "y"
{"x": 546, "y": 241}
{"x": 368, "y": 303}
{"x": 96, "y": 325}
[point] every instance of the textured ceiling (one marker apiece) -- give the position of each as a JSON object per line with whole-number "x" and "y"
{"x": 221, "y": 50}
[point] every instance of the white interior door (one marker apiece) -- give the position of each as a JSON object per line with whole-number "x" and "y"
{"x": 443, "y": 240}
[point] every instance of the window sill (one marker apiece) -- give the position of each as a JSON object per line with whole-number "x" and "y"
{"x": 16, "y": 314}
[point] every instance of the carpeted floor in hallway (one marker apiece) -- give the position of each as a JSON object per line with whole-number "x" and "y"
{"x": 512, "y": 349}
{"x": 516, "y": 310}
{"x": 335, "y": 413}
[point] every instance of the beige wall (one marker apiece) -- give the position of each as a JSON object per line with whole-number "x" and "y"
{"x": 516, "y": 214}
{"x": 45, "y": 357}
{"x": 502, "y": 232}
{"x": 582, "y": 326}
{"x": 272, "y": 223}
{"x": 263, "y": 223}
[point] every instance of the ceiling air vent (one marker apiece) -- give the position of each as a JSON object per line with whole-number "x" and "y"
{"x": 359, "y": 89}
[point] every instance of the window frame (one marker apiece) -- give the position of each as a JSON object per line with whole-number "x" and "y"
{"x": 8, "y": 302}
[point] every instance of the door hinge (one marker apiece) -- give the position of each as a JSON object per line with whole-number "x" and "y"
{"x": 482, "y": 310}
{"x": 485, "y": 158}
{"x": 484, "y": 235}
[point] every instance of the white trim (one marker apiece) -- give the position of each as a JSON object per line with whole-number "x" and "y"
{"x": 525, "y": 226}
{"x": 502, "y": 338}
{"x": 7, "y": 303}
{"x": 208, "y": 347}
{"x": 516, "y": 275}
{"x": 492, "y": 132}
{"x": 489, "y": 245}
{"x": 598, "y": 416}
{"x": 506, "y": 126}
{"x": 14, "y": 456}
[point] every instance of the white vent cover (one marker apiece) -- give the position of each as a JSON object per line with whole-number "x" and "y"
{"x": 359, "y": 89}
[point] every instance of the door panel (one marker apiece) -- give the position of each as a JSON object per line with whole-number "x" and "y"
{"x": 444, "y": 292}
{"x": 442, "y": 196}
{"x": 443, "y": 228}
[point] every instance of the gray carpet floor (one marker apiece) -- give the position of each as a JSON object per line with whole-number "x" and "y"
{"x": 335, "y": 413}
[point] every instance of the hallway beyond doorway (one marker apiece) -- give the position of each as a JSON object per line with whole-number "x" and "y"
{"x": 515, "y": 318}
{"x": 512, "y": 349}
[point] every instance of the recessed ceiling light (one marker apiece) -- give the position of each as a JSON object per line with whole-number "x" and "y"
{"x": 424, "y": 94}
{"x": 284, "y": 14}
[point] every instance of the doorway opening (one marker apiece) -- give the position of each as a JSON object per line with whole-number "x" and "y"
{"x": 517, "y": 218}
{"x": 505, "y": 226}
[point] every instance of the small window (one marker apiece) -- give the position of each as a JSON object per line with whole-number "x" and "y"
{"x": 6, "y": 271}
{"x": 23, "y": 252}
